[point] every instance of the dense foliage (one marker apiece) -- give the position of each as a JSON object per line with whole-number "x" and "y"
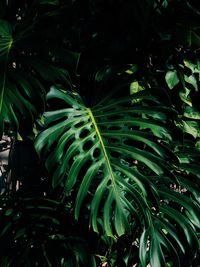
{"x": 107, "y": 94}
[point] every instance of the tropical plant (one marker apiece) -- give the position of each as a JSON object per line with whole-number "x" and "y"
{"x": 110, "y": 103}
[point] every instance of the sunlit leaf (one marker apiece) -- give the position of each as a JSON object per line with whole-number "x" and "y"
{"x": 172, "y": 78}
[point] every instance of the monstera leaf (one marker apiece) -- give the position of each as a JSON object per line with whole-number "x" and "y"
{"x": 113, "y": 158}
{"x": 23, "y": 73}
{"x": 14, "y": 96}
{"x": 94, "y": 147}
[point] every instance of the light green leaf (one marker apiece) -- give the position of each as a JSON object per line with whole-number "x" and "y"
{"x": 185, "y": 96}
{"x": 191, "y": 66}
{"x": 191, "y": 113}
{"x": 171, "y": 78}
{"x": 191, "y": 80}
{"x": 135, "y": 87}
{"x": 191, "y": 127}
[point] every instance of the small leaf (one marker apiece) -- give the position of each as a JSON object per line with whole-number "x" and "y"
{"x": 190, "y": 65}
{"x": 191, "y": 127}
{"x": 171, "y": 79}
{"x": 191, "y": 80}
{"x": 9, "y": 212}
{"x": 185, "y": 96}
{"x": 191, "y": 113}
{"x": 135, "y": 87}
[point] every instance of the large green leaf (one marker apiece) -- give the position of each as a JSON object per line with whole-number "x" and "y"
{"x": 95, "y": 146}
{"x": 114, "y": 158}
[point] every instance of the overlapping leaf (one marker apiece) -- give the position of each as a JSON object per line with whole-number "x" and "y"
{"x": 16, "y": 92}
{"x": 22, "y": 75}
{"x": 37, "y": 225}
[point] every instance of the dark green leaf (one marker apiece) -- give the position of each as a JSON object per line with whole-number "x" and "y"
{"x": 87, "y": 143}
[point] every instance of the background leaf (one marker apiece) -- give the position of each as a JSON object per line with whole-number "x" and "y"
{"x": 172, "y": 79}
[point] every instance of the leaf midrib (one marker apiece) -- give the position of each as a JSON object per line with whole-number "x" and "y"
{"x": 103, "y": 149}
